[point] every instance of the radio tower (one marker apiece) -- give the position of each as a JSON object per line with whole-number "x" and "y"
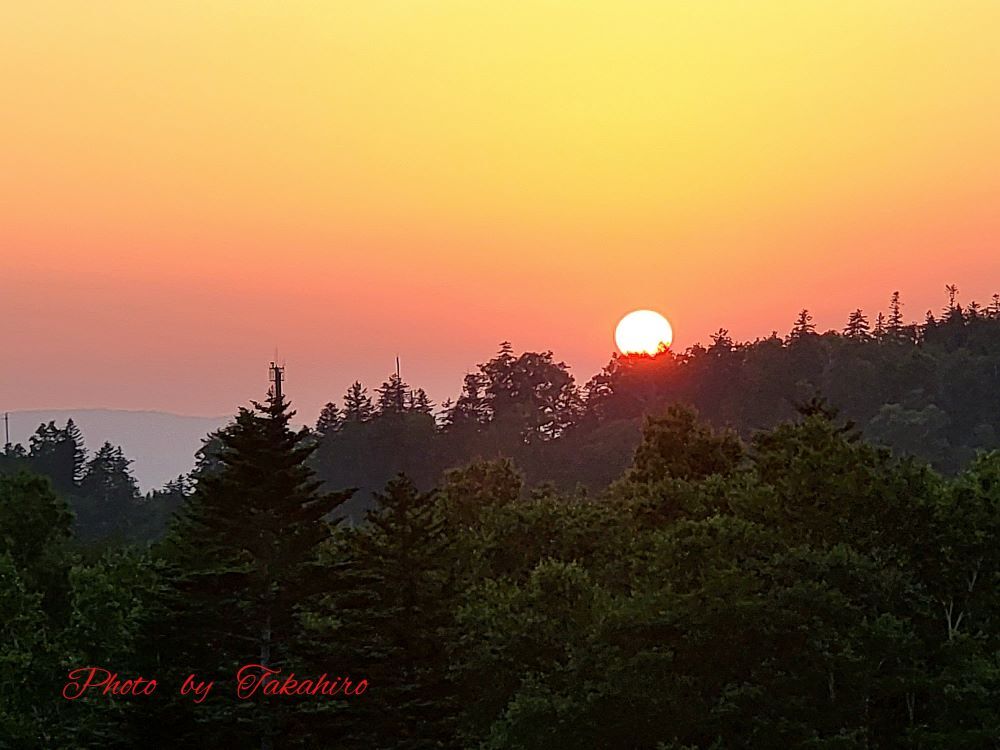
{"x": 276, "y": 376}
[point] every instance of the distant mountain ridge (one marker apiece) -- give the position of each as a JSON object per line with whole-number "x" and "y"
{"x": 161, "y": 445}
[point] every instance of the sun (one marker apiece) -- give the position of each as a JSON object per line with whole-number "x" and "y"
{"x": 643, "y": 332}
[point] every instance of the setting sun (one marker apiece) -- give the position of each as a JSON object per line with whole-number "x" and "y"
{"x": 643, "y": 332}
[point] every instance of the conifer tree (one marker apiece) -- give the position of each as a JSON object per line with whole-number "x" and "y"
{"x": 392, "y": 396}
{"x": 952, "y": 290}
{"x": 108, "y": 495}
{"x": 857, "y": 326}
{"x": 240, "y": 555}
{"x": 804, "y": 325}
{"x": 389, "y": 614}
{"x": 418, "y": 401}
{"x": 330, "y": 419}
{"x": 471, "y": 410}
{"x": 879, "y": 330}
{"x": 357, "y": 404}
{"x": 75, "y": 437}
{"x": 59, "y": 454}
{"x": 895, "y": 315}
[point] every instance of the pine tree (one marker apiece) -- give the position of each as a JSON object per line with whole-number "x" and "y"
{"x": 857, "y": 326}
{"x": 952, "y": 290}
{"x": 471, "y": 410}
{"x": 929, "y": 324}
{"x": 58, "y": 453}
{"x": 357, "y": 404}
{"x": 418, "y": 402}
{"x": 392, "y": 396}
{"x": 879, "y": 330}
{"x": 330, "y": 419}
{"x": 240, "y": 553}
{"x": 498, "y": 378}
{"x": 803, "y": 325}
{"x": 953, "y": 313}
{"x": 895, "y": 315}
{"x": 108, "y": 497}
{"x": 390, "y": 612}
{"x": 994, "y": 308}
{"x": 75, "y": 436}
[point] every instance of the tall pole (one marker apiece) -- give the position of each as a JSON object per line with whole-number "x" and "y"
{"x": 266, "y": 739}
{"x": 399, "y": 387}
{"x": 6, "y": 428}
{"x": 277, "y": 372}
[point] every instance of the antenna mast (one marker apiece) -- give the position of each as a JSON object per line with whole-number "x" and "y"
{"x": 277, "y": 375}
{"x": 399, "y": 387}
{"x": 6, "y": 428}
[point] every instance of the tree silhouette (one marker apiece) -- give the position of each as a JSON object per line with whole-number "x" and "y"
{"x": 857, "y": 327}
{"x": 240, "y": 556}
{"x": 330, "y": 419}
{"x": 357, "y": 404}
{"x": 803, "y": 325}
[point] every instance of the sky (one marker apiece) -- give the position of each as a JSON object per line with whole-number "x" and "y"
{"x": 187, "y": 187}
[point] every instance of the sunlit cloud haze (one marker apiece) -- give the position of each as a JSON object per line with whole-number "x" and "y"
{"x": 185, "y": 186}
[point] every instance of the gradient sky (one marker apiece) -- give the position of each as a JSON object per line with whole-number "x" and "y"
{"x": 186, "y": 185}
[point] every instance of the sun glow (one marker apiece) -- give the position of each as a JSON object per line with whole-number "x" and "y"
{"x": 643, "y": 332}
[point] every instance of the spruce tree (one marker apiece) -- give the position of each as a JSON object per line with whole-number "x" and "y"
{"x": 471, "y": 411}
{"x": 895, "y": 315}
{"x": 857, "y": 326}
{"x": 804, "y": 325}
{"x": 357, "y": 404}
{"x": 330, "y": 419}
{"x": 240, "y": 556}
{"x": 108, "y": 495}
{"x": 388, "y": 615}
{"x": 392, "y": 396}
{"x": 58, "y": 453}
{"x": 419, "y": 402}
{"x": 880, "y": 329}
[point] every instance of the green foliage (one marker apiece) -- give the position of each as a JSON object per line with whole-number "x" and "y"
{"x": 239, "y": 565}
{"x": 677, "y": 445}
{"x": 799, "y": 589}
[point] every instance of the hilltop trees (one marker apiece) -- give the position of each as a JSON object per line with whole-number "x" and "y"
{"x": 108, "y": 493}
{"x": 928, "y": 390}
{"x": 330, "y": 419}
{"x": 59, "y": 454}
{"x": 857, "y": 327}
{"x": 100, "y": 489}
{"x": 357, "y": 404}
{"x": 804, "y": 326}
{"x": 802, "y": 589}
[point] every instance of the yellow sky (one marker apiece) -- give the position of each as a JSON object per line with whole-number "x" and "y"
{"x": 186, "y": 185}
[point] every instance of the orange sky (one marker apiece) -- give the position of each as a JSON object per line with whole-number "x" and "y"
{"x": 186, "y": 185}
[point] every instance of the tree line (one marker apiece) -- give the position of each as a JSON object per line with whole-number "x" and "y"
{"x": 801, "y": 589}
{"x": 929, "y": 389}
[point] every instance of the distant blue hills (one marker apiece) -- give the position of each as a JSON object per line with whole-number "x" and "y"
{"x": 161, "y": 445}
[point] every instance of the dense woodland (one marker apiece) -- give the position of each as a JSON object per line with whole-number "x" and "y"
{"x": 929, "y": 390}
{"x": 698, "y": 550}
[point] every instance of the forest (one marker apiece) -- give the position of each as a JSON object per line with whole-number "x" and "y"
{"x": 784, "y": 543}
